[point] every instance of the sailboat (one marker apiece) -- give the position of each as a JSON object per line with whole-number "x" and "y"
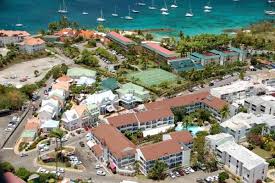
{"x": 152, "y": 7}
{"x": 64, "y": 9}
{"x": 189, "y": 13}
{"x": 165, "y": 7}
{"x": 165, "y": 13}
{"x": 269, "y": 12}
{"x": 271, "y": 1}
{"x": 141, "y": 3}
{"x": 208, "y": 6}
{"x": 101, "y": 19}
{"x": 129, "y": 15}
{"x": 85, "y": 13}
{"x": 115, "y": 13}
{"x": 174, "y": 5}
{"x": 19, "y": 24}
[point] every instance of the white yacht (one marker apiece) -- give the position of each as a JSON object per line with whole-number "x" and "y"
{"x": 165, "y": 7}
{"x": 63, "y": 8}
{"x": 269, "y": 12}
{"x": 85, "y": 13}
{"x": 271, "y": 1}
{"x": 141, "y": 3}
{"x": 207, "y": 10}
{"x": 19, "y": 25}
{"x": 101, "y": 19}
{"x": 152, "y": 7}
{"x": 164, "y": 13}
{"x": 189, "y": 13}
{"x": 129, "y": 15}
{"x": 135, "y": 11}
{"x": 174, "y": 5}
{"x": 115, "y": 13}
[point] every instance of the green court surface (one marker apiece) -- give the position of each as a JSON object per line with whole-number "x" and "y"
{"x": 152, "y": 77}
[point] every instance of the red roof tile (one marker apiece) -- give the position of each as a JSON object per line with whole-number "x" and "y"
{"x": 160, "y": 149}
{"x": 98, "y": 150}
{"x": 120, "y": 37}
{"x": 182, "y": 137}
{"x": 154, "y": 114}
{"x": 189, "y": 99}
{"x": 160, "y": 48}
{"x": 123, "y": 119}
{"x": 115, "y": 141}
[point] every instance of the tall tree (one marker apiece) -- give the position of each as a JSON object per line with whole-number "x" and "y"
{"x": 157, "y": 172}
{"x": 225, "y": 112}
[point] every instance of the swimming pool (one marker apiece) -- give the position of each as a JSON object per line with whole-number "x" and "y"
{"x": 193, "y": 129}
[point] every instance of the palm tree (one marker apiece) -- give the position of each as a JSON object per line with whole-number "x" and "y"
{"x": 224, "y": 112}
{"x": 57, "y": 134}
{"x": 188, "y": 119}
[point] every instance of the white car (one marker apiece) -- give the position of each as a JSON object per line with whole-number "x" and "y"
{"x": 98, "y": 166}
{"x": 46, "y": 148}
{"x": 100, "y": 172}
{"x": 61, "y": 170}
{"x": 172, "y": 175}
{"x": 8, "y": 129}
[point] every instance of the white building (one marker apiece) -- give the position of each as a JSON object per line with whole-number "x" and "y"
{"x": 80, "y": 116}
{"x": 236, "y": 91}
{"x": 31, "y": 45}
{"x": 105, "y": 100}
{"x": 239, "y": 125}
{"x": 11, "y": 37}
{"x": 236, "y": 158}
{"x": 260, "y": 104}
{"x": 46, "y": 113}
{"x": 49, "y": 125}
{"x": 242, "y": 162}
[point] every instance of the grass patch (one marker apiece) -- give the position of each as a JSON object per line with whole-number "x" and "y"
{"x": 261, "y": 152}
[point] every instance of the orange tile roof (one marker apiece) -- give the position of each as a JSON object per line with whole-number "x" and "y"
{"x": 98, "y": 150}
{"x": 32, "y": 124}
{"x": 182, "y": 137}
{"x": 160, "y": 149}
{"x": 33, "y": 41}
{"x": 64, "y": 78}
{"x": 11, "y": 33}
{"x": 67, "y": 32}
{"x": 189, "y": 99}
{"x": 123, "y": 119}
{"x": 154, "y": 114}
{"x": 115, "y": 141}
{"x": 87, "y": 34}
{"x": 61, "y": 85}
{"x": 80, "y": 109}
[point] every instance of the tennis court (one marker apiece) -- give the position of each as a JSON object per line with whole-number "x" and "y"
{"x": 152, "y": 77}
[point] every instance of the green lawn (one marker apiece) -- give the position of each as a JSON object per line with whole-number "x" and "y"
{"x": 261, "y": 152}
{"x": 151, "y": 77}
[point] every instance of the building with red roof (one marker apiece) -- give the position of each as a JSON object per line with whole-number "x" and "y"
{"x": 192, "y": 102}
{"x": 144, "y": 121}
{"x": 161, "y": 52}
{"x": 31, "y": 45}
{"x": 11, "y": 37}
{"x": 117, "y": 149}
{"x": 123, "y": 41}
{"x": 172, "y": 150}
{"x": 11, "y": 178}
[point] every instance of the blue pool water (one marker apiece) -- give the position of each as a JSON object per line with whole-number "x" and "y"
{"x": 36, "y": 14}
{"x": 193, "y": 129}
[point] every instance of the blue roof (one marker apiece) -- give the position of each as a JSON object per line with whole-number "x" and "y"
{"x": 225, "y": 53}
{"x": 184, "y": 64}
{"x": 237, "y": 50}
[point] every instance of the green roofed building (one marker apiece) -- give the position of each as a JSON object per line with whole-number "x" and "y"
{"x": 109, "y": 84}
{"x": 205, "y": 58}
{"x": 131, "y": 95}
{"x": 226, "y": 56}
{"x": 184, "y": 64}
{"x": 28, "y": 136}
{"x": 78, "y": 72}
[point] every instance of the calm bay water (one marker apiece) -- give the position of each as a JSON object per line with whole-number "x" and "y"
{"x": 36, "y": 14}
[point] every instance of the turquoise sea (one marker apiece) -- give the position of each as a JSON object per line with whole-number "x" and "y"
{"x": 226, "y": 14}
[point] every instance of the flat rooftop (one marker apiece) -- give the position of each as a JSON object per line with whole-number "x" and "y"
{"x": 184, "y": 64}
{"x": 118, "y": 37}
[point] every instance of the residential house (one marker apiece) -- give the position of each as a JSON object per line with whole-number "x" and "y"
{"x": 64, "y": 78}
{"x": 160, "y": 52}
{"x": 54, "y": 104}
{"x": 62, "y": 86}
{"x": 33, "y": 124}
{"x": 205, "y": 58}
{"x": 12, "y": 37}
{"x": 49, "y": 125}
{"x": 260, "y": 104}
{"x": 131, "y": 95}
{"x": 121, "y": 40}
{"x": 82, "y": 76}
{"x": 32, "y": 45}
{"x": 226, "y": 56}
{"x": 239, "y": 125}
{"x": 191, "y": 103}
{"x": 80, "y": 116}
{"x": 150, "y": 122}
{"x": 117, "y": 150}
{"x": 46, "y": 113}
{"x": 105, "y": 100}
{"x": 28, "y": 136}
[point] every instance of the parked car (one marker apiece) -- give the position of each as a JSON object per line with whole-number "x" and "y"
{"x": 61, "y": 170}
{"x": 100, "y": 172}
{"x": 23, "y": 154}
{"x": 176, "y": 173}
{"x": 98, "y": 166}
{"x": 171, "y": 174}
{"x": 181, "y": 172}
